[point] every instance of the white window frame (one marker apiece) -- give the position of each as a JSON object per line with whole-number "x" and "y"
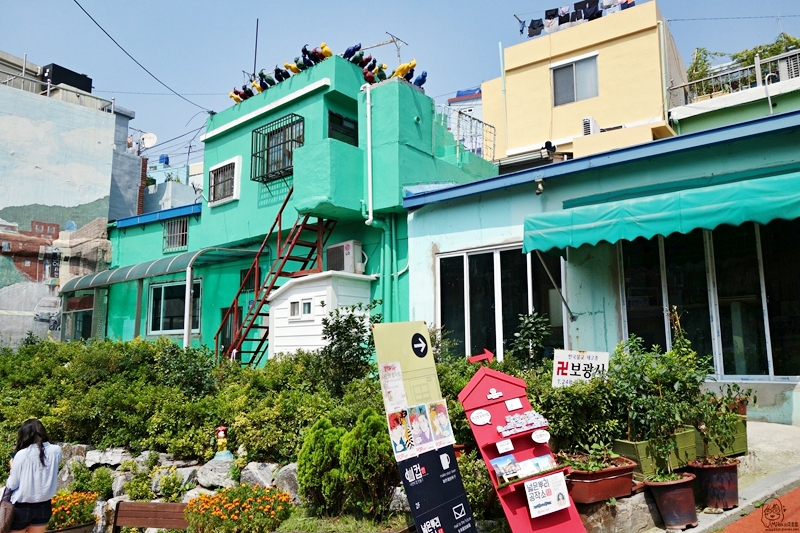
{"x": 175, "y": 230}
{"x": 310, "y": 314}
{"x": 713, "y": 304}
{"x": 196, "y": 293}
{"x": 573, "y": 62}
{"x": 237, "y": 176}
{"x": 292, "y": 315}
{"x": 495, "y": 250}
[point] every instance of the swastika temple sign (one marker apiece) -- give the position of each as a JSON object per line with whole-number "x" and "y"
{"x": 570, "y": 366}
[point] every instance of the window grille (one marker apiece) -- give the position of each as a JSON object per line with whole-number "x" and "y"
{"x": 273, "y": 148}
{"x": 221, "y": 182}
{"x": 176, "y": 233}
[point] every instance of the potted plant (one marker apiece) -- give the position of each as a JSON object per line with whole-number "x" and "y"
{"x": 716, "y": 420}
{"x": 597, "y": 475}
{"x": 73, "y": 512}
{"x": 583, "y": 422}
{"x": 656, "y": 392}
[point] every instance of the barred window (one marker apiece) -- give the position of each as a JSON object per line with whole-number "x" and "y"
{"x": 176, "y": 233}
{"x": 221, "y": 182}
{"x": 273, "y": 147}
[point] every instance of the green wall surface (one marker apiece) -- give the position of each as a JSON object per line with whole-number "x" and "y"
{"x": 411, "y": 146}
{"x": 781, "y": 103}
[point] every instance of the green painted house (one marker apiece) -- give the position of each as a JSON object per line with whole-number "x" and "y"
{"x": 301, "y": 211}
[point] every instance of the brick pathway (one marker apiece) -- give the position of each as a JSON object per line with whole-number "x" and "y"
{"x": 777, "y": 515}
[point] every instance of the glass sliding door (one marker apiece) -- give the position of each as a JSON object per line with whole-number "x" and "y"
{"x": 687, "y": 287}
{"x": 741, "y": 315}
{"x": 645, "y": 304}
{"x": 514, "y": 289}
{"x": 451, "y": 298}
{"x": 780, "y": 249}
{"x": 482, "y": 328}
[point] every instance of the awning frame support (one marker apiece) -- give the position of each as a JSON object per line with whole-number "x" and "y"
{"x": 572, "y": 317}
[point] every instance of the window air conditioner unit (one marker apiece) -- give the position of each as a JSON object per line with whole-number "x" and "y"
{"x": 590, "y": 126}
{"x": 345, "y": 257}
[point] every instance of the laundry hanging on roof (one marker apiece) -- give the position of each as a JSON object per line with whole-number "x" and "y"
{"x": 564, "y": 10}
{"x": 535, "y": 28}
{"x": 593, "y": 12}
{"x": 609, "y": 3}
{"x": 521, "y": 26}
{"x": 551, "y": 25}
{"x": 580, "y": 6}
{"x": 611, "y": 10}
{"x": 626, "y": 5}
{"x": 550, "y": 14}
{"x": 576, "y": 16}
{"x": 563, "y": 16}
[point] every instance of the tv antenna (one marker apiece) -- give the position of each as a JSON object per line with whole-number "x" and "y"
{"x": 397, "y": 41}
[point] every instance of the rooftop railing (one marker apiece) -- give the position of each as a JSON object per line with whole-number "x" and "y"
{"x": 60, "y": 92}
{"x": 470, "y": 133}
{"x": 767, "y": 71}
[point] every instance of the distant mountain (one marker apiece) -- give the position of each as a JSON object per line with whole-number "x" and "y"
{"x": 81, "y": 214}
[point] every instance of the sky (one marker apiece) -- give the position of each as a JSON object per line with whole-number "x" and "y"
{"x": 199, "y": 48}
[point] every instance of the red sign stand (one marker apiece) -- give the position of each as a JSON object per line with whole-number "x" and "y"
{"x": 504, "y": 425}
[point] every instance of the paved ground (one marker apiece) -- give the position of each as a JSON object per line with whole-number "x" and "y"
{"x": 769, "y": 481}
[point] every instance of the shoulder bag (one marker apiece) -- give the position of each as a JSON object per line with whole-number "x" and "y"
{"x": 6, "y": 511}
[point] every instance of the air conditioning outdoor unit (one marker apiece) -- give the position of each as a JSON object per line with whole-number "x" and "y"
{"x": 590, "y": 126}
{"x": 345, "y": 257}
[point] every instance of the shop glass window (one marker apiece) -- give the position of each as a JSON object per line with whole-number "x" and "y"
{"x": 645, "y": 304}
{"x": 167, "y": 308}
{"x": 451, "y": 282}
{"x": 687, "y": 287}
{"x": 514, "y": 288}
{"x": 482, "y": 327}
{"x": 546, "y": 297}
{"x": 780, "y": 249}
{"x": 741, "y": 315}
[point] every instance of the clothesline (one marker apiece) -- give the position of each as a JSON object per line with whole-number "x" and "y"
{"x": 571, "y": 15}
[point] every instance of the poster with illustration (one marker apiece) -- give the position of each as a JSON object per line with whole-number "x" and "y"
{"x": 440, "y": 422}
{"x": 402, "y": 443}
{"x": 421, "y": 431}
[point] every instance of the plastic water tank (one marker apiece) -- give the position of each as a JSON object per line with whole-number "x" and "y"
{"x": 163, "y": 159}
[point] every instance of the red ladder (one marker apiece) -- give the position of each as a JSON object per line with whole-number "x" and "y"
{"x": 298, "y": 254}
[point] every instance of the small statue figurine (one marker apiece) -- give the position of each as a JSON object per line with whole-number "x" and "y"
{"x": 222, "y": 454}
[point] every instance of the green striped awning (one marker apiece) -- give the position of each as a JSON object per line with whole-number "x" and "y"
{"x": 755, "y": 200}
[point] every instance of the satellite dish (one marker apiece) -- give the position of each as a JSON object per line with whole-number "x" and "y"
{"x": 148, "y": 140}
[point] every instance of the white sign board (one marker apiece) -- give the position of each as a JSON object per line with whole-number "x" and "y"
{"x": 570, "y": 366}
{"x": 547, "y": 494}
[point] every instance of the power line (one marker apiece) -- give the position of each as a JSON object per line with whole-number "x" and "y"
{"x": 134, "y": 60}
{"x": 735, "y": 18}
{"x": 178, "y": 137}
{"x": 109, "y": 91}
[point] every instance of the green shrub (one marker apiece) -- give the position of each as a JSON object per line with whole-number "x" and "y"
{"x": 318, "y": 471}
{"x": 171, "y": 485}
{"x": 81, "y": 477}
{"x": 368, "y": 466}
{"x": 139, "y": 488}
{"x": 528, "y": 345}
{"x": 477, "y": 485}
{"x": 350, "y": 346}
{"x": 189, "y": 369}
{"x": 102, "y": 483}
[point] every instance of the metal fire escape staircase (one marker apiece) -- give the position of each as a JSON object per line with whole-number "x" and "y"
{"x": 298, "y": 253}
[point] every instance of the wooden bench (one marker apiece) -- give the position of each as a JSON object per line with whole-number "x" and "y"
{"x": 147, "y": 514}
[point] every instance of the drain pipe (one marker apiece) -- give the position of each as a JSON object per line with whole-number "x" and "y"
{"x": 394, "y": 278}
{"x": 367, "y": 89}
{"x": 371, "y": 220}
{"x": 664, "y": 92}
{"x": 187, "y": 308}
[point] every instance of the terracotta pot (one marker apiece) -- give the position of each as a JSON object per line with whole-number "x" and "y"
{"x": 719, "y": 484}
{"x": 458, "y": 449}
{"x": 675, "y": 501}
{"x": 602, "y": 485}
{"x": 80, "y": 528}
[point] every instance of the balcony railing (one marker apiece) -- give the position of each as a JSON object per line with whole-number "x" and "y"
{"x": 59, "y": 92}
{"x": 768, "y": 71}
{"x": 470, "y": 134}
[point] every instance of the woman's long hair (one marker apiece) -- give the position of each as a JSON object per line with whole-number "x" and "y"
{"x": 32, "y": 432}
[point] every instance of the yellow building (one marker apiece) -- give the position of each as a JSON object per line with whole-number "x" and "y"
{"x": 590, "y": 88}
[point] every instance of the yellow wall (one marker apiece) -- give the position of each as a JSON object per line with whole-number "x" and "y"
{"x": 629, "y": 82}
